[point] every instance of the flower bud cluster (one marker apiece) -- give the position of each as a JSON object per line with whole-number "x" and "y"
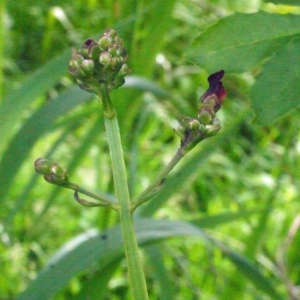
{"x": 192, "y": 131}
{"x": 100, "y": 62}
{"x": 53, "y": 173}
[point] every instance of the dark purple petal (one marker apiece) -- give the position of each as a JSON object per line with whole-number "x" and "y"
{"x": 215, "y": 88}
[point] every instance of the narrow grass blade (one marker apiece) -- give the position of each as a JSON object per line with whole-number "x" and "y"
{"x": 14, "y": 106}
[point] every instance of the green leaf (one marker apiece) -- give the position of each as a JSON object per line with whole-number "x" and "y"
{"x": 146, "y": 85}
{"x": 96, "y": 287}
{"x": 37, "y": 125}
{"x": 18, "y": 101}
{"x": 238, "y": 43}
{"x": 211, "y": 221}
{"x": 107, "y": 248}
{"x": 276, "y": 90}
{"x": 103, "y": 248}
{"x": 249, "y": 270}
{"x": 286, "y": 2}
{"x": 160, "y": 273}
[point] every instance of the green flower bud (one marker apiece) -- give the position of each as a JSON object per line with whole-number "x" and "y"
{"x": 115, "y": 63}
{"x": 105, "y": 58}
{"x": 59, "y": 173}
{"x": 95, "y": 53}
{"x": 214, "y": 128}
{"x": 124, "y": 71}
{"x": 84, "y": 52}
{"x": 88, "y": 66}
{"x": 43, "y": 166}
{"x": 104, "y": 43}
{"x": 115, "y": 50}
{"x": 118, "y": 41}
{"x": 110, "y": 33}
{"x": 204, "y": 117}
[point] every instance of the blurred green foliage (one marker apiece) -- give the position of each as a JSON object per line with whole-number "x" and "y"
{"x": 232, "y": 202}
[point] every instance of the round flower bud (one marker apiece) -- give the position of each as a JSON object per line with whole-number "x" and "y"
{"x": 124, "y": 71}
{"x": 204, "y": 117}
{"x": 43, "y": 166}
{"x": 88, "y": 66}
{"x": 104, "y": 43}
{"x": 59, "y": 172}
{"x": 105, "y": 58}
{"x": 111, "y": 33}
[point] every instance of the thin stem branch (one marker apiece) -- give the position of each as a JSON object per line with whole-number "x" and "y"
{"x": 144, "y": 196}
{"x": 102, "y": 199}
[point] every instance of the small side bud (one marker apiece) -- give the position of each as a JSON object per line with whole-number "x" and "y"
{"x": 105, "y": 58}
{"x": 59, "y": 173}
{"x": 43, "y": 166}
{"x": 204, "y": 117}
{"x": 110, "y": 33}
{"x": 104, "y": 43}
{"x": 87, "y": 66}
{"x": 124, "y": 71}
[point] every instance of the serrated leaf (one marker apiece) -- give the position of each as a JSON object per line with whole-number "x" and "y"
{"x": 277, "y": 88}
{"x": 238, "y": 43}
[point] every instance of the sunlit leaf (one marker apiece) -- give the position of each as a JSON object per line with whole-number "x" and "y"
{"x": 276, "y": 90}
{"x": 238, "y": 43}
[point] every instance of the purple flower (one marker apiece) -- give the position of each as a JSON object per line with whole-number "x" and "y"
{"x": 215, "y": 90}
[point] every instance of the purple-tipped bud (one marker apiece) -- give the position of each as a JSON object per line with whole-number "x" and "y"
{"x": 43, "y": 166}
{"x": 88, "y": 47}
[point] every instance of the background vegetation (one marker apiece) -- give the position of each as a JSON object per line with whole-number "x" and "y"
{"x": 231, "y": 207}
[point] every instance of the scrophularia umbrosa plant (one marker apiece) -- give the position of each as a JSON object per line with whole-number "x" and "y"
{"x": 100, "y": 67}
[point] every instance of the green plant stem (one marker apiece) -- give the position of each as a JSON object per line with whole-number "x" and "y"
{"x": 2, "y": 29}
{"x": 103, "y": 199}
{"x": 144, "y": 196}
{"x": 135, "y": 270}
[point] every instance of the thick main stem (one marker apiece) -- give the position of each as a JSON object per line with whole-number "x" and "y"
{"x": 135, "y": 270}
